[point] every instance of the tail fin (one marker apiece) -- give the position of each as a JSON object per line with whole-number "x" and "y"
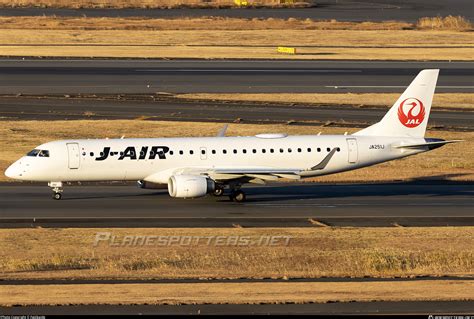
{"x": 408, "y": 117}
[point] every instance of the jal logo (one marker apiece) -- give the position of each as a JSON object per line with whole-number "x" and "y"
{"x": 411, "y": 112}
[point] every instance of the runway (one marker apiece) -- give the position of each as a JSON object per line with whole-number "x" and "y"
{"x": 403, "y": 204}
{"x": 117, "y": 76}
{"x": 173, "y": 109}
{"x": 332, "y": 308}
{"x": 343, "y": 10}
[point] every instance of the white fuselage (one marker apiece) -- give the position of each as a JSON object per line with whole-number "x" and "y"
{"x": 138, "y": 159}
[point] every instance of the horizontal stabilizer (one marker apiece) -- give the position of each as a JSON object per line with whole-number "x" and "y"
{"x": 430, "y": 145}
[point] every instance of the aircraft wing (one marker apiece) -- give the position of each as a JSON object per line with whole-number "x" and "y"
{"x": 252, "y": 174}
{"x": 256, "y": 174}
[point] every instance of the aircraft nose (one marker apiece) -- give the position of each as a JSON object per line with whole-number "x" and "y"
{"x": 13, "y": 171}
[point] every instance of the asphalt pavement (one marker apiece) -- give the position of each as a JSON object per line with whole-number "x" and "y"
{"x": 331, "y": 308}
{"x": 172, "y": 109}
{"x": 421, "y": 203}
{"x": 343, "y": 10}
{"x": 122, "y": 76}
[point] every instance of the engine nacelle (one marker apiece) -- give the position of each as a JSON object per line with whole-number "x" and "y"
{"x": 189, "y": 186}
{"x": 150, "y": 185}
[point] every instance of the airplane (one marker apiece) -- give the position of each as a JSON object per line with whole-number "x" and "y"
{"x": 193, "y": 167}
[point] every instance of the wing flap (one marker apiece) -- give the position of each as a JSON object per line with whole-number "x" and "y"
{"x": 288, "y": 176}
{"x": 258, "y": 175}
{"x": 265, "y": 177}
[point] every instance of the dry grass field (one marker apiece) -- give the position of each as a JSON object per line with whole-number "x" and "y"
{"x": 452, "y": 23}
{"x": 217, "y": 38}
{"x": 446, "y": 23}
{"x": 440, "y": 101}
{"x": 236, "y": 293}
{"x": 451, "y": 162}
{"x": 202, "y": 23}
{"x": 311, "y": 253}
{"x": 230, "y": 52}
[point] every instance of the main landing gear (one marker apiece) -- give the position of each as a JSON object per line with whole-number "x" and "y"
{"x": 236, "y": 194}
{"x": 218, "y": 191}
{"x": 57, "y": 188}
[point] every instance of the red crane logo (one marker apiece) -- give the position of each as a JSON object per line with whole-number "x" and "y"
{"x": 415, "y": 114}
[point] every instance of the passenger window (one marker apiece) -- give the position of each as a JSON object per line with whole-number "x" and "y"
{"x": 309, "y": 149}
{"x": 319, "y": 150}
{"x": 281, "y": 150}
{"x": 328, "y": 149}
{"x": 235, "y": 151}
{"x": 299, "y": 150}
{"x": 224, "y": 151}
{"x": 254, "y": 151}
{"x": 203, "y": 152}
{"x": 213, "y": 151}
{"x": 289, "y": 150}
{"x": 171, "y": 152}
{"x": 33, "y": 153}
{"x": 244, "y": 151}
{"x": 191, "y": 152}
{"x": 338, "y": 149}
{"x": 180, "y": 152}
{"x": 264, "y": 150}
{"x": 272, "y": 150}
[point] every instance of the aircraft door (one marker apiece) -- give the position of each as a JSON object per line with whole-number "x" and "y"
{"x": 74, "y": 158}
{"x": 352, "y": 150}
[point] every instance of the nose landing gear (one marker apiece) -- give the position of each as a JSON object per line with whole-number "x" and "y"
{"x": 57, "y": 195}
{"x": 57, "y": 188}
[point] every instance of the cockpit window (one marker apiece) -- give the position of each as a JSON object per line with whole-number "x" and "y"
{"x": 43, "y": 153}
{"x": 39, "y": 153}
{"x": 33, "y": 153}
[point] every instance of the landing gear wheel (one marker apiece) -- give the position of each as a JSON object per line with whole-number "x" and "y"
{"x": 57, "y": 188}
{"x": 238, "y": 196}
{"x": 218, "y": 192}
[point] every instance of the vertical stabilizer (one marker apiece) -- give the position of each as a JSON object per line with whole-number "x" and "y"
{"x": 408, "y": 117}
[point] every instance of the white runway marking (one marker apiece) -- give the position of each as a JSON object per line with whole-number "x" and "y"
{"x": 391, "y": 87}
{"x": 250, "y": 70}
{"x": 349, "y": 205}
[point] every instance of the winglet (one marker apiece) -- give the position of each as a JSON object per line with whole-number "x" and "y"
{"x": 325, "y": 161}
{"x": 222, "y": 131}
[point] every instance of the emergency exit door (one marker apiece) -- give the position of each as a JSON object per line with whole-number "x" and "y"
{"x": 352, "y": 150}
